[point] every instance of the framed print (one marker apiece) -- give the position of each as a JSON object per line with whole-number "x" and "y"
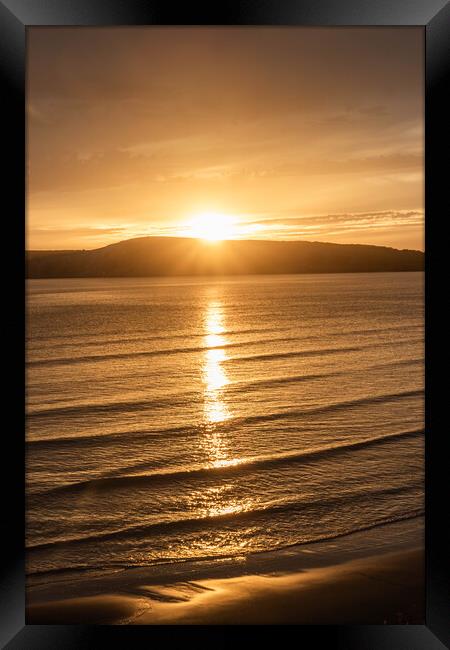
{"x": 223, "y": 393}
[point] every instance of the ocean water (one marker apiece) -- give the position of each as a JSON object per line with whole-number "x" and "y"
{"x": 190, "y": 418}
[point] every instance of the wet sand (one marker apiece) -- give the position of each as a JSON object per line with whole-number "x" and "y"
{"x": 385, "y": 588}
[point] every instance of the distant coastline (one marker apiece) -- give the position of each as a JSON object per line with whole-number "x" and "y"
{"x": 175, "y": 256}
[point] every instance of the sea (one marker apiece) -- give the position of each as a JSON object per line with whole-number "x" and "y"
{"x": 190, "y": 419}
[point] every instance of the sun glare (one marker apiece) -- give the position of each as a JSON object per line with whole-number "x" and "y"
{"x": 213, "y": 227}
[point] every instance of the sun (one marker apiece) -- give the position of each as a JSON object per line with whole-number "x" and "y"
{"x": 212, "y": 227}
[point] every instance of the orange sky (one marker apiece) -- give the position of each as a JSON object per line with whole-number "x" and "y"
{"x": 303, "y": 133}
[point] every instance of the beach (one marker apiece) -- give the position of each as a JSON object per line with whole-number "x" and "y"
{"x": 297, "y": 586}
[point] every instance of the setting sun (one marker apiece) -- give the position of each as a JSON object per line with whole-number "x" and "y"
{"x": 212, "y": 227}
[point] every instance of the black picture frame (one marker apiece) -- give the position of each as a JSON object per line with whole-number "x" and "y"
{"x": 15, "y": 17}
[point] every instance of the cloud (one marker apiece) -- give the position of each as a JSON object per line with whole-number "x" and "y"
{"x": 325, "y": 226}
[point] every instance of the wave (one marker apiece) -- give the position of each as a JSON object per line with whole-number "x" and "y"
{"x": 234, "y": 467}
{"x": 160, "y": 337}
{"x": 187, "y": 335}
{"x": 175, "y": 400}
{"x": 120, "y": 566}
{"x": 123, "y": 436}
{"x": 116, "y": 356}
{"x": 110, "y": 407}
{"x": 117, "y": 566}
{"x": 412, "y": 514}
{"x": 327, "y": 408}
{"x": 191, "y": 524}
{"x": 153, "y": 353}
{"x": 319, "y": 352}
{"x": 181, "y": 398}
{"x": 265, "y": 460}
{"x": 294, "y": 379}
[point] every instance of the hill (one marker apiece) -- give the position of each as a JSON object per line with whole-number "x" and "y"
{"x": 174, "y": 256}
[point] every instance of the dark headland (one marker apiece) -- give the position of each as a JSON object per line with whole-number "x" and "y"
{"x": 174, "y": 256}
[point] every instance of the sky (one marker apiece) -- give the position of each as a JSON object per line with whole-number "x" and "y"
{"x": 280, "y": 133}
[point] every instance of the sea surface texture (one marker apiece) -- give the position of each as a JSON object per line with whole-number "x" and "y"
{"x": 191, "y": 418}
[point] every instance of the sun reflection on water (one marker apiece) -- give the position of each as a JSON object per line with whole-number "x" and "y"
{"x": 214, "y": 376}
{"x": 215, "y": 409}
{"x": 218, "y": 499}
{"x": 217, "y": 502}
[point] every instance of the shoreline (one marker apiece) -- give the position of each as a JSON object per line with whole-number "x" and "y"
{"x": 382, "y": 589}
{"x": 364, "y": 579}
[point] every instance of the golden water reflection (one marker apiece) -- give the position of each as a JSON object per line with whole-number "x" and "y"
{"x": 214, "y": 376}
{"x": 219, "y": 499}
{"x": 215, "y": 379}
{"x": 218, "y": 502}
